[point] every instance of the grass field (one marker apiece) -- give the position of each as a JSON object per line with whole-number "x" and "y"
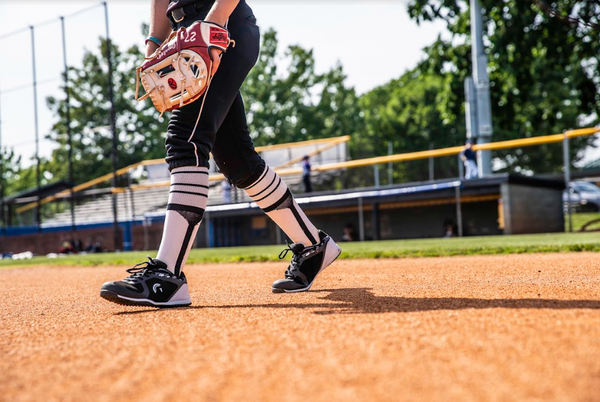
{"x": 560, "y": 242}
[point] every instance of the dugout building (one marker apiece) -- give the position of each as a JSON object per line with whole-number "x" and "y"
{"x": 501, "y": 204}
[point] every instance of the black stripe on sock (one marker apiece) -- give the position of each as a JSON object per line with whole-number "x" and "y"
{"x": 188, "y": 184}
{"x": 303, "y": 224}
{"x": 200, "y": 172}
{"x": 275, "y": 189}
{"x": 188, "y": 192}
{"x": 258, "y": 181}
{"x": 284, "y": 198}
{"x": 266, "y": 188}
{"x": 182, "y": 251}
{"x": 186, "y": 208}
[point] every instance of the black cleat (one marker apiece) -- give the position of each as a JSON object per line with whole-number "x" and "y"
{"x": 307, "y": 263}
{"x": 150, "y": 284}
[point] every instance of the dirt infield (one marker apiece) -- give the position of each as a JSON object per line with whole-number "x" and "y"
{"x": 508, "y": 328}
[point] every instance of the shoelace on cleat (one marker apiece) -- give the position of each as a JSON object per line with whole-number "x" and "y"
{"x": 142, "y": 269}
{"x": 285, "y": 251}
{"x": 290, "y": 272}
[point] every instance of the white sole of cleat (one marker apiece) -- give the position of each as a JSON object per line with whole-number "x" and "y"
{"x": 180, "y": 299}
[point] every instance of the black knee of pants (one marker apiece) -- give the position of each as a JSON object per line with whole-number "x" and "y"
{"x": 190, "y": 137}
{"x": 233, "y": 150}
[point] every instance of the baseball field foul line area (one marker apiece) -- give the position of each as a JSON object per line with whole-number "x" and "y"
{"x": 470, "y": 328}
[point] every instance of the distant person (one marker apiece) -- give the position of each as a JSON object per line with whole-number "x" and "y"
{"x": 348, "y": 233}
{"x": 449, "y": 228}
{"x": 94, "y": 247}
{"x": 66, "y": 247}
{"x": 226, "y": 188}
{"x": 306, "y": 174}
{"x": 469, "y": 158}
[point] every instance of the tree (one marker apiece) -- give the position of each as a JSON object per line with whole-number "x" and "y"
{"x": 10, "y": 166}
{"x": 141, "y": 132}
{"x": 298, "y": 104}
{"x": 409, "y": 113}
{"x": 543, "y": 66}
{"x": 14, "y": 179}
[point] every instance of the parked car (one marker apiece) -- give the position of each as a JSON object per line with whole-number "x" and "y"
{"x": 585, "y": 197}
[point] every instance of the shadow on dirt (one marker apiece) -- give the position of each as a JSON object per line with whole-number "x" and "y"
{"x": 363, "y": 301}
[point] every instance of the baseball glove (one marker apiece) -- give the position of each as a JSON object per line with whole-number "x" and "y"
{"x": 179, "y": 71}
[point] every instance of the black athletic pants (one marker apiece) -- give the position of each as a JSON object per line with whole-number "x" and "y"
{"x": 222, "y": 128}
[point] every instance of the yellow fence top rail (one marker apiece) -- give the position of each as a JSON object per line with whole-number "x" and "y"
{"x": 330, "y": 141}
{"x": 434, "y": 153}
{"x": 151, "y": 162}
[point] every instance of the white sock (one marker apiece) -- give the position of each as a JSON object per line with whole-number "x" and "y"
{"x": 272, "y": 195}
{"x": 187, "y": 202}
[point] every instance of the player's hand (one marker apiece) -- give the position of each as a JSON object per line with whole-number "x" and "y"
{"x": 215, "y": 55}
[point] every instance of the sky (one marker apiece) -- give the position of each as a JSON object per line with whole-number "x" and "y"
{"x": 375, "y": 41}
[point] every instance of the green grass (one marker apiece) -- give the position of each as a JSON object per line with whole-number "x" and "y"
{"x": 582, "y": 218}
{"x": 560, "y": 242}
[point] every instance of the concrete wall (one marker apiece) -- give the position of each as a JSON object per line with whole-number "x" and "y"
{"x": 532, "y": 209}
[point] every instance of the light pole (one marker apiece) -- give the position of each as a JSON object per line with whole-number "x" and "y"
{"x": 68, "y": 123}
{"x": 115, "y": 156}
{"x": 477, "y": 88}
{"x": 38, "y": 212}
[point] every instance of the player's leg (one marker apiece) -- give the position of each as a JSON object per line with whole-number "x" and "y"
{"x": 470, "y": 169}
{"x": 235, "y": 155}
{"x": 188, "y": 154}
{"x": 160, "y": 282}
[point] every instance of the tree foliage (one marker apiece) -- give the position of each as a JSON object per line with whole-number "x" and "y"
{"x": 296, "y": 103}
{"x": 543, "y": 66}
{"x": 12, "y": 174}
{"x": 140, "y": 131}
{"x": 409, "y": 113}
